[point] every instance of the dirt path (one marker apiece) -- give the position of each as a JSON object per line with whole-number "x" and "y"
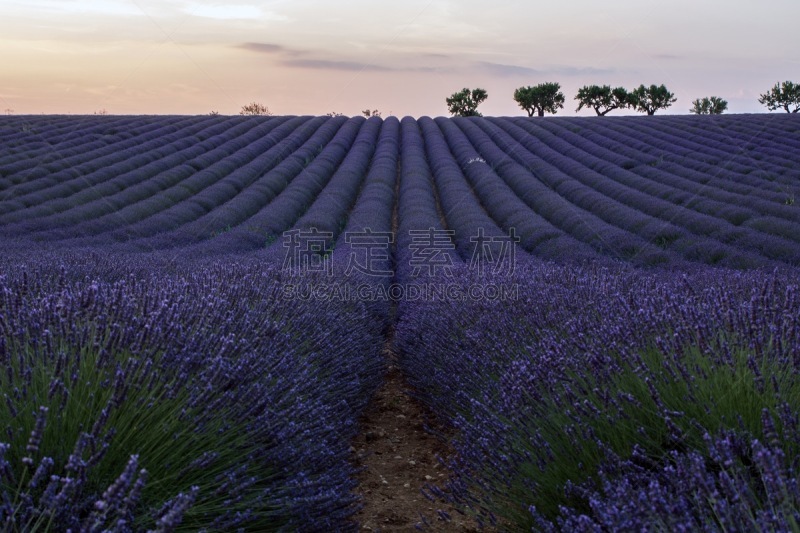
{"x": 399, "y": 457}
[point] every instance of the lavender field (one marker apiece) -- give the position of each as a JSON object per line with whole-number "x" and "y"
{"x": 194, "y": 313}
{"x": 717, "y": 190}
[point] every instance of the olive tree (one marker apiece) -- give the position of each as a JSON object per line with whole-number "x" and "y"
{"x": 651, "y": 99}
{"x": 465, "y": 102}
{"x": 602, "y": 99}
{"x": 543, "y": 98}
{"x": 709, "y": 106}
{"x": 782, "y": 96}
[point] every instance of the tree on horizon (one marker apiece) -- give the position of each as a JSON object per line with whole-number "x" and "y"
{"x": 602, "y": 99}
{"x": 709, "y": 106}
{"x": 543, "y": 98}
{"x": 651, "y": 99}
{"x": 465, "y": 102}
{"x": 782, "y": 96}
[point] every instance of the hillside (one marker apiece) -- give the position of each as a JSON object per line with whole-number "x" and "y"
{"x": 482, "y": 335}
{"x": 649, "y": 190}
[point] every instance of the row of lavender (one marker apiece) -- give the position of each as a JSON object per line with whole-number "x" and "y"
{"x": 152, "y": 187}
{"x": 144, "y": 394}
{"x": 615, "y": 399}
{"x": 650, "y": 416}
{"x": 716, "y": 190}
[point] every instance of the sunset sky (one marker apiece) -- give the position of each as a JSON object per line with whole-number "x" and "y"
{"x": 403, "y": 58}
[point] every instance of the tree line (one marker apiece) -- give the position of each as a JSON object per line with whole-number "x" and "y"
{"x": 548, "y": 98}
{"x": 257, "y": 109}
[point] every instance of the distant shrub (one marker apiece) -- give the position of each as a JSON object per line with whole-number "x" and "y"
{"x": 709, "y": 106}
{"x": 465, "y": 102}
{"x": 254, "y": 108}
{"x": 782, "y": 96}
{"x": 651, "y": 99}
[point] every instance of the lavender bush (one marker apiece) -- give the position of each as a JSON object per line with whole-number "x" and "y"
{"x": 179, "y": 390}
{"x": 596, "y": 377}
{"x": 189, "y": 400}
{"x": 734, "y": 484}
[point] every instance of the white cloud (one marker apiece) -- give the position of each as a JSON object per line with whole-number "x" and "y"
{"x": 231, "y": 12}
{"x": 105, "y": 7}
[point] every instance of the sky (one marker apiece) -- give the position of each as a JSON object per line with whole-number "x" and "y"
{"x": 401, "y": 58}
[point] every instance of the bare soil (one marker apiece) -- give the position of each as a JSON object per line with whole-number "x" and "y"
{"x": 398, "y": 452}
{"x": 398, "y": 456}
